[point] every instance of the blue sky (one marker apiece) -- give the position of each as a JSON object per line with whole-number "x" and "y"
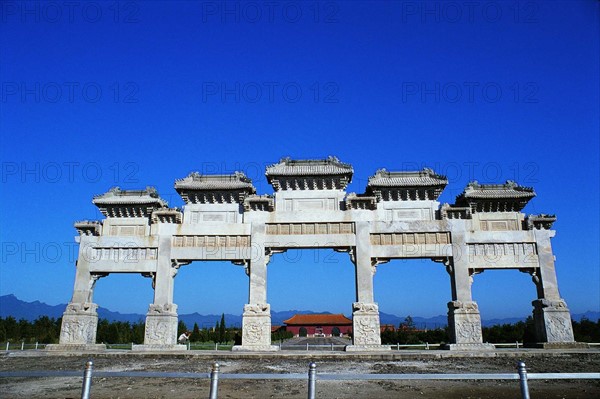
{"x": 141, "y": 93}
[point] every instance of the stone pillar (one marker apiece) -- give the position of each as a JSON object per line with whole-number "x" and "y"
{"x": 80, "y": 319}
{"x": 551, "y": 316}
{"x": 464, "y": 320}
{"x": 256, "y": 319}
{"x": 366, "y": 332}
{"x": 161, "y": 319}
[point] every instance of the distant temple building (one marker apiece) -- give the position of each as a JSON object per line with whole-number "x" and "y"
{"x": 319, "y": 325}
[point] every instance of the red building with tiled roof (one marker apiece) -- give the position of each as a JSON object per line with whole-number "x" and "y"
{"x": 319, "y": 325}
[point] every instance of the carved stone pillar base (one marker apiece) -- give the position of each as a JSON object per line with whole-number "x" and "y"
{"x": 76, "y": 347}
{"x": 367, "y": 348}
{"x": 158, "y": 348}
{"x": 559, "y": 345}
{"x": 465, "y": 326}
{"x": 161, "y": 327}
{"x": 256, "y": 329}
{"x": 79, "y": 324}
{"x": 552, "y": 322}
{"x": 366, "y": 333}
{"x": 469, "y": 347}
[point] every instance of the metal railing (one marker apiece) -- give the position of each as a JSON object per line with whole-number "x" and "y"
{"x": 312, "y": 377}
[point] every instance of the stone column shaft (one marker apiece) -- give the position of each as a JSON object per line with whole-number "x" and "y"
{"x": 551, "y": 315}
{"x": 161, "y": 319}
{"x": 366, "y": 332}
{"x": 464, "y": 320}
{"x": 256, "y": 319}
{"x": 80, "y": 319}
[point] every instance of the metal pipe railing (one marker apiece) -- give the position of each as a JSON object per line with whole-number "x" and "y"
{"x": 87, "y": 380}
{"x": 312, "y": 380}
{"x": 214, "y": 382}
{"x": 523, "y": 380}
{"x": 215, "y": 376}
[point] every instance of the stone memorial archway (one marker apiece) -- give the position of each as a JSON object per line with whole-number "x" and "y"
{"x": 397, "y": 217}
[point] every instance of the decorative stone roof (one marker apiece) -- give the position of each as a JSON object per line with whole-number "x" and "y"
{"x": 318, "y": 319}
{"x": 426, "y": 177}
{"x": 359, "y": 201}
{"x": 448, "y": 211}
{"x": 197, "y": 188}
{"x": 309, "y": 174}
{"x": 539, "y": 222}
{"x": 259, "y": 203}
{"x": 167, "y": 215}
{"x": 129, "y": 203}
{"x": 88, "y": 227}
{"x": 406, "y": 185}
{"x": 507, "y": 197}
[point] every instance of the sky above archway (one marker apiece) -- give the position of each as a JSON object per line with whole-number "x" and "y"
{"x": 136, "y": 94}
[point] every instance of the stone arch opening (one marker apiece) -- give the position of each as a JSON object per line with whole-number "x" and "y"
{"x": 419, "y": 288}
{"x": 515, "y": 291}
{"x": 210, "y": 288}
{"x": 139, "y": 289}
{"x": 314, "y": 271}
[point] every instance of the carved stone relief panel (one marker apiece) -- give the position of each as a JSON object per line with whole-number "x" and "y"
{"x": 410, "y": 238}
{"x": 310, "y": 228}
{"x": 124, "y": 254}
{"x": 78, "y": 329}
{"x": 211, "y": 241}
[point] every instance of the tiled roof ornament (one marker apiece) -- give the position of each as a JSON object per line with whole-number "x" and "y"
{"x": 406, "y": 185}
{"x": 507, "y": 197}
{"x": 309, "y": 174}
{"x": 129, "y": 203}
{"x": 214, "y": 189}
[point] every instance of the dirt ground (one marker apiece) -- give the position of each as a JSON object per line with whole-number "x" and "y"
{"x": 297, "y": 362}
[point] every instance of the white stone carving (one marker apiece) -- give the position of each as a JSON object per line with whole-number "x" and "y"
{"x": 168, "y": 309}
{"x": 257, "y": 309}
{"x": 468, "y": 331}
{"x": 253, "y": 333}
{"x": 364, "y": 308}
{"x": 86, "y": 308}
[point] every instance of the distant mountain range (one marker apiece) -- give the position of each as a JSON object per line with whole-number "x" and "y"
{"x": 10, "y": 305}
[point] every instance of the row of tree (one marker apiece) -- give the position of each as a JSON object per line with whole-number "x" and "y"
{"x": 523, "y": 331}
{"x": 47, "y": 330}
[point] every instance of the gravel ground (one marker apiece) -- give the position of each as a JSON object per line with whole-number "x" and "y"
{"x": 297, "y": 362}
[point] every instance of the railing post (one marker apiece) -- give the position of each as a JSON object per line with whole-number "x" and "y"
{"x": 397, "y": 346}
{"x": 7, "y": 344}
{"x": 523, "y": 380}
{"x": 87, "y": 380}
{"x": 216, "y": 346}
{"x": 22, "y": 345}
{"x": 332, "y": 346}
{"x": 427, "y": 345}
{"x": 214, "y": 381}
{"x": 307, "y": 346}
{"x": 312, "y": 380}
{"x": 36, "y": 346}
